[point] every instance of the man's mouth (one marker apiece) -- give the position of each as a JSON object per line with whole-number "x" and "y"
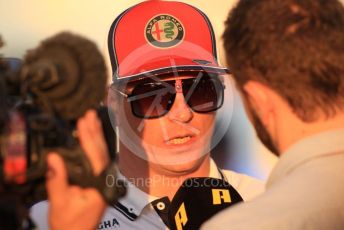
{"x": 179, "y": 140}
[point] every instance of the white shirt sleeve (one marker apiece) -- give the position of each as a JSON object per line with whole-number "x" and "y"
{"x": 39, "y": 215}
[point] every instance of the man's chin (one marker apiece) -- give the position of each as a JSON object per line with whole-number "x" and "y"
{"x": 185, "y": 167}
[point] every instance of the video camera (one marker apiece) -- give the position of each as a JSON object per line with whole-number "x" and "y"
{"x": 40, "y": 101}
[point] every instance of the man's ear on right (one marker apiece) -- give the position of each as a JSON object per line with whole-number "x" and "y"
{"x": 260, "y": 98}
{"x": 256, "y": 93}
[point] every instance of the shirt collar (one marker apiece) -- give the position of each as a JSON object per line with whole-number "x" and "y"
{"x": 214, "y": 171}
{"x": 136, "y": 200}
{"x": 322, "y": 144}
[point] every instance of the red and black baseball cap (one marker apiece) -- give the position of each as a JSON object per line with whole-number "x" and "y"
{"x": 159, "y": 37}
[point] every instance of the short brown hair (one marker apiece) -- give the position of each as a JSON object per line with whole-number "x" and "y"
{"x": 296, "y": 47}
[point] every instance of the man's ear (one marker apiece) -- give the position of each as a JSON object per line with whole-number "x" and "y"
{"x": 259, "y": 97}
{"x": 113, "y": 100}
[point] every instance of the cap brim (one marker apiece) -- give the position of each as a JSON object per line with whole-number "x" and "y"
{"x": 172, "y": 69}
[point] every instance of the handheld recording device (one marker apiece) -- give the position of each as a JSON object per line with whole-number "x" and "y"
{"x": 41, "y": 100}
{"x": 198, "y": 199}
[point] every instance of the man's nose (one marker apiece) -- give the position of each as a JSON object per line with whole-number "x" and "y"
{"x": 180, "y": 111}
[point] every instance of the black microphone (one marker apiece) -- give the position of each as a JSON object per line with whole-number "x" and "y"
{"x": 198, "y": 199}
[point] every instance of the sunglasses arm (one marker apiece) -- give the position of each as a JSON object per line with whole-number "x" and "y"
{"x": 120, "y": 92}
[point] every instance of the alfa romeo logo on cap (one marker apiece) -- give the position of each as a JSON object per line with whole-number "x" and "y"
{"x": 164, "y": 31}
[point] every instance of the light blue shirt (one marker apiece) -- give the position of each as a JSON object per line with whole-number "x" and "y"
{"x": 136, "y": 211}
{"x": 305, "y": 190}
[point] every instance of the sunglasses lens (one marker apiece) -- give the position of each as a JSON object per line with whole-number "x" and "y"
{"x": 203, "y": 94}
{"x": 155, "y": 99}
{"x": 151, "y": 100}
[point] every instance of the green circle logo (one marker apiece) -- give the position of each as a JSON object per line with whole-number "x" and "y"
{"x": 164, "y": 31}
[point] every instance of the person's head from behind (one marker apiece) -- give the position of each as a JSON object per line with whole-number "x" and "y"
{"x": 167, "y": 84}
{"x": 287, "y": 59}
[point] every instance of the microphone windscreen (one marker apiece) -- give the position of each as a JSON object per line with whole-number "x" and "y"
{"x": 198, "y": 199}
{"x": 67, "y": 74}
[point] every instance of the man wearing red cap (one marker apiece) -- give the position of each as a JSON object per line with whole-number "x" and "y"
{"x": 167, "y": 87}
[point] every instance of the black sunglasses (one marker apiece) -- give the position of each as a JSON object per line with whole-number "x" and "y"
{"x": 203, "y": 94}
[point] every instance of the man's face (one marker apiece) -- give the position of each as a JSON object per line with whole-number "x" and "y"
{"x": 175, "y": 142}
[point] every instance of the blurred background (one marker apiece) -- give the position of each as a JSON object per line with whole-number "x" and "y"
{"x": 23, "y": 24}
